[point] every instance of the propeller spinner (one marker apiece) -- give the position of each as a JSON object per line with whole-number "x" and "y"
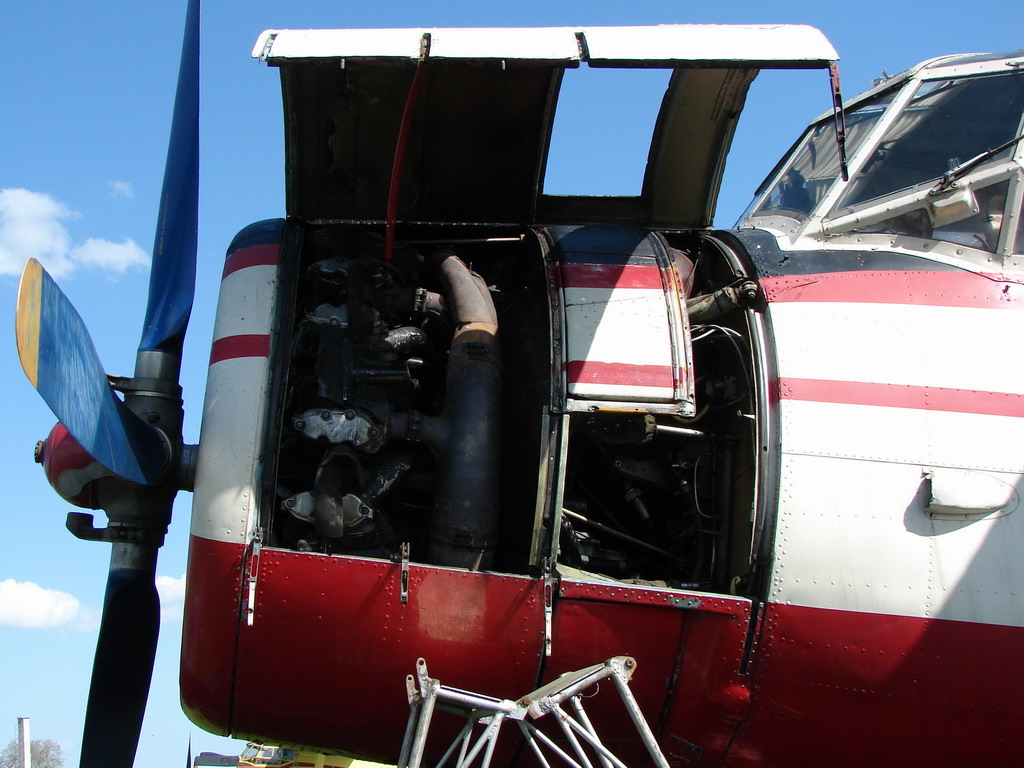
{"x": 140, "y": 460}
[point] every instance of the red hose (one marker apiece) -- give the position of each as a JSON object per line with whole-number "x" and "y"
{"x": 399, "y": 161}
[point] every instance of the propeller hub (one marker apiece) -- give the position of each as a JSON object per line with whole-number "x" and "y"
{"x": 70, "y": 469}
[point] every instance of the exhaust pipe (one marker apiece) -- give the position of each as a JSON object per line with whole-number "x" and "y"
{"x": 463, "y": 531}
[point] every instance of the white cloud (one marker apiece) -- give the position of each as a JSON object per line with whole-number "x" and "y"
{"x": 31, "y": 226}
{"x": 172, "y": 597}
{"x": 24, "y": 604}
{"x": 113, "y": 257}
{"x": 121, "y": 188}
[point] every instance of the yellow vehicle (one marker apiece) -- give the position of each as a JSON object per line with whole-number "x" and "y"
{"x": 267, "y": 756}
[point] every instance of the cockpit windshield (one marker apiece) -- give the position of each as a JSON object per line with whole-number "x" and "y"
{"x": 964, "y": 127}
{"x": 946, "y": 123}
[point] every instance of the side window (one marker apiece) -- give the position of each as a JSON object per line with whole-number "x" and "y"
{"x": 982, "y": 229}
{"x": 815, "y": 164}
{"x": 979, "y": 229}
{"x": 1018, "y": 247}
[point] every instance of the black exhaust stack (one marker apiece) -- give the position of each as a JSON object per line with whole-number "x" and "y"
{"x": 463, "y": 531}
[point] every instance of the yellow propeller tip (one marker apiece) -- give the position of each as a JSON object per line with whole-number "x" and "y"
{"x": 26, "y": 321}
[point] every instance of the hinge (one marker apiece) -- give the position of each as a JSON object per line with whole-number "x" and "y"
{"x": 549, "y": 587}
{"x": 685, "y": 602}
{"x": 753, "y": 635}
{"x": 252, "y": 563}
{"x": 268, "y": 43}
{"x": 404, "y": 583}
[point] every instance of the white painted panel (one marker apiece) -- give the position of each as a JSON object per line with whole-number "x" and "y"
{"x": 779, "y": 43}
{"x": 949, "y": 347}
{"x": 624, "y": 325}
{"x": 903, "y": 435}
{"x": 544, "y": 44}
{"x": 841, "y": 540}
{"x": 227, "y": 475}
{"x": 251, "y": 293}
{"x": 979, "y": 571}
{"x": 852, "y": 535}
{"x": 277, "y": 44}
{"x": 226, "y": 478}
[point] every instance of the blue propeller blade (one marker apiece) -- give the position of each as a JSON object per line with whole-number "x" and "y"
{"x": 131, "y": 616}
{"x": 60, "y": 361}
{"x": 173, "y": 274}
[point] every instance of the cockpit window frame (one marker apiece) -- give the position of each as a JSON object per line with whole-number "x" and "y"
{"x": 924, "y": 89}
{"x": 822, "y": 127}
{"x": 1008, "y": 166}
{"x": 852, "y": 225}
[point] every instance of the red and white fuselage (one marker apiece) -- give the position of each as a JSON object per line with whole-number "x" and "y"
{"x": 824, "y": 480}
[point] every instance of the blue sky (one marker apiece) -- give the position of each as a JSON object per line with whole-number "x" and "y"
{"x": 87, "y": 95}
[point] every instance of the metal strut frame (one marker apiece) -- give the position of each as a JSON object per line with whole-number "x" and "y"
{"x": 492, "y": 713}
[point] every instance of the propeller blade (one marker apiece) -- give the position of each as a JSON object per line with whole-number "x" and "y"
{"x": 60, "y": 361}
{"x": 123, "y": 665}
{"x": 126, "y": 646}
{"x": 173, "y": 272}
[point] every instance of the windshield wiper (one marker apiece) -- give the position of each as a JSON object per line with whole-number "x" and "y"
{"x": 950, "y": 176}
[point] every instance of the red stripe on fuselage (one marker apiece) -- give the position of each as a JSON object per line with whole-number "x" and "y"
{"x": 936, "y": 289}
{"x": 902, "y": 396}
{"x": 245, "y": 345}
{"x": 254, "y": 256}
{"x": 619, "y": 374}
{"x": 609, "y": 276}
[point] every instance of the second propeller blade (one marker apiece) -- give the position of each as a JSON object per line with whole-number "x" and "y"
{"x": 60, "y": 361}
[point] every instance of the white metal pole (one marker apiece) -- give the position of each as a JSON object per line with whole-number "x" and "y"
{"x": 24, "y": 743}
